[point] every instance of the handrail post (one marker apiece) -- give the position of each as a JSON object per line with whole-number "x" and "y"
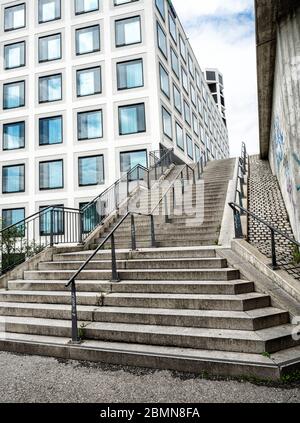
{"x": 166, "y": 209}
{"x": 174, "y": 199}
{"x": 155, "y": 171}
{"x": 116, "y": 197}
{"x": 148, "y": 179}
{"x": 182, "y": 183}
{"x": 187, "y": 173}
{"x": 80, "y": 234}
{"x": 133, "y": 234}
{"x": 153, "y": 241}
{"x": 51, "y": 227}
{"x": 75, "y": 337}
{"x": 127, "y": 177}
{"x": 237, "y": 224}
{"x": 273, "y": 247}
{"x": 194, "y": 177}
{"x": 114, "y": 270}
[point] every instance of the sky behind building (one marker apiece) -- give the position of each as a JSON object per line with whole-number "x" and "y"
{"x": 222, "y": 34}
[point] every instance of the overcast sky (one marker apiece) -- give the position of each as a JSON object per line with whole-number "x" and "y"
{"x": 222, "y": 34}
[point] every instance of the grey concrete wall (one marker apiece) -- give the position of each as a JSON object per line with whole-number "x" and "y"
{"x": 284, "y": 153}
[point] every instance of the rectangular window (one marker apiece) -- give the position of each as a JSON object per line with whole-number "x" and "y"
{"x": 164, "y": 81}
{"x": 160, "y": 5}
{"x": 177, "y": 99}
{"x": 184, "y": 77}
{"x": 132, "y": 119}
{"x": 14, "y": 55}
{"x": 50, "y": 48}
{"x": 12, "y": 216}
{"x": 87, "y": 40}
{"x": 51, "y": 130}
{"x": 89, "y": 125}
{"x": 162, "y": 41}
{"x": 172, "y": 28}
{"x": 167, "y": 123}
{"x": 14, "y": 95}
{"x": 182, "y": 48}
{"x": 14, "y": 17}
{"x": 189, "y": 146}
{"x": 175, "y": 63}
{"x": 128, "y": 31}
{"x": 197, "y": 154}
{"x": 89, "y": 81}
{"x": 50, "y": 88}
{"x": 130, "y": 74}
{"x": 179, "y": 136}
{"x": 120, "y": 2}
{"x": 91, "y": 170}
{"x": 49, "y": 10}
{"x": 86, "y": 6}
{"x": 193, "y": 95}
{"x": 200, "y": 108}
{"x": 13, "y": 135}
{"x": 187, "y": 113}
{"x": 198, "y": 82}
{"x": 51, "y": 175}
{"x": 191, "y": 66}
{"x": 13, "y": 179}
{"x": 130, "y": 159}
{"x": 58, "y": 220}
{"x": 195, "y": 125}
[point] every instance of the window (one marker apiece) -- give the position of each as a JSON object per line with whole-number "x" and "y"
{"x": 130, "y": 159}
{"x": 57, "y": 222}
{"x": 13, "y": 135}
{"x": 132, "y": 119}
{"x": 177, "y": 99}
{"x": 85, "y": 6}
{"x": 200, "y": 108}
{"x": 198, "y": 82}
{"x": 193, "y": 95}
{"x": 187, "y": 113}
{"x": 164, "y": 81}
{"x": 189, "y": 146}
{"x": 13, "y": 179}
{"x": 50, "y": 88}
{"x": 51, "y": 130}
{"x": 172, "y": 28}
{"x": 184, "y": 77}
{"x": 160, "y": 4}
{"x": 197, "y": 154}
{"x": 89, "y": 125}
{"x": 191, "y": 66}
{"x": 175, "y": 63}
{"x": 14, "y": 55}
{"x": 50, "y": 48}
{"x": 14, "y": 95}
{"x": 182, "y": 47}
{"x": 92, "y": 215}
{"x": 12, "y": 216}
{"x": 51, "y": 175}
{"x": 87, "y": 40}
{"x": 195, "y": 125}
{"x": 167, "y": 123}
{"x": 89, "y": 81}
{"x": 90, "y": 170}
{"x": 49, "y": 10}
{"x": 14, "y": 17}
{"x": 211, "y": 76}
{"x": 128, "y": 31}
{"x": 179, "y": 136}
{"x": 162, "y": 40}
{"x": 120, "y": 2}
{"x": 130, "y": 74}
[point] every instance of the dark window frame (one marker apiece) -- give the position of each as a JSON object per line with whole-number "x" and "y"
{"x": 48, "y": 20}
{"x": 47, "y": 36}
{"x": 23, "y": 81}
{"x": 163, "y": 108}
{"x": 62, "y": 169}
{"x": 84, "y": 12}
{"x": 165, "y": 55}
{"x": 84, "y": 113}
{"x": 77, "y": 85}
{"x": 13, "y": 192}
{"x": 130, "y": 61}
{"x": 126, "y": 19}
{"x": 39, "y": 88}
{"x": 62, "y": 130}
{"x": 11, "y": 44}
{"x": 14, "y": 123}
{"x": 76, "y": 43}
{"x": 119, "y": 119}
{"x": 103, "y": 170}
{"x": 25, "y": 17}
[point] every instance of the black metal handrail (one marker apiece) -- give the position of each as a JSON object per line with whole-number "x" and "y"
{"x": 239, "y": 233}
{"x": 243, "y": 161}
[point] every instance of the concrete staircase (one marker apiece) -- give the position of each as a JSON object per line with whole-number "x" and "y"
{"x": 176, "y": 308}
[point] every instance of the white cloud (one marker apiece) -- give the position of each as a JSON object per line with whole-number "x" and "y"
{"x": 222, "y": 36}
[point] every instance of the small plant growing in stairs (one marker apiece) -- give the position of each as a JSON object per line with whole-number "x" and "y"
{"x": 81, "y": 331}
{"x": 266, "y": 354}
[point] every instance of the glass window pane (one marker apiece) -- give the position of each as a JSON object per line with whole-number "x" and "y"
{"x": 58, "y": 220}
{"x": 13, "y": 135}
{"x": 187, "y": 113}
{"x": 160, "y": 4}
{"x": 50, "y": 130}
{"x": 91, "y": 170}
{"x": 167, "y": 123}
{"x": 132, "y": 119}
{"x": 172, "y": 28}
{"x": 128, "y": 31}
{"x": 85, "y": 6}
{"x": 14, "y": 17}
{"x": 13, "y": 179}
{"x": 189, "y": 145}
{"x": 50, "y": 48}
{"x": 164, "y": 81}
{"x": 184, "y": 80}
{"x": 14, "y": 95}
{"x": 49, "y": 10}
{"x": 51, "y": 175}
{"x": 128, "y": 160}
{"x": 130, "y": 74}
{"x": 177, "y": 99}
{"x": 90, "y": 125}
{"x": 162, "y": 40}
{"x": 88, "y": 40}
{"x": 50, "y": 88}
{"x": 12, "y": 216}
{"x": 14, "y": 55}
{"x": 175, "y": 63}
{"x": 179, "y": 137}
{"x": 88, "y": 81}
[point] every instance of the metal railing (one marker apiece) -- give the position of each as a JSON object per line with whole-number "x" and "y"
{"x": 195, "y": 172}
{"x": 243, "y": 167}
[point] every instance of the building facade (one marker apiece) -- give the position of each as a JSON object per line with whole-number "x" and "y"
{"x": 88, "y": 89}
{"x": 215, "y": 82}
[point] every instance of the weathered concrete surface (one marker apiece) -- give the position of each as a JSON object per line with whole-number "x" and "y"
{"x": 47, "y": 380}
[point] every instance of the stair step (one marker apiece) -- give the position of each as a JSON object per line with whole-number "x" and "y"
{"x": 49, "y": 297}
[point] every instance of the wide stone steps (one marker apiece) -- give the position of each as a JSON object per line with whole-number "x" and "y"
{"x": 255, "y": 342}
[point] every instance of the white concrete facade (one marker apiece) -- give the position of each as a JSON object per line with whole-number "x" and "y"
{"x": 215, "y": 81}
{"x": 213, "y": 136}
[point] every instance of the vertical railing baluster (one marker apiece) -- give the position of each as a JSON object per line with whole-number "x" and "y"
{"x": 133, "y": 233}
{"x": 273, "y": 248}
{"x": 114, "y": 270}
{"x": 75, "y": 336}
{"x": 152, "y": 228}
{"x": 51, "y": 227}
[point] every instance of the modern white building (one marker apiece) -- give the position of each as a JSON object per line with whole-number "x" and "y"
{"x": 215, "y": 81}
{"x": 88, "y": 89}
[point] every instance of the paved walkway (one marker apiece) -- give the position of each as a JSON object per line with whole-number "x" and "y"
{"x": 42, "y": 379}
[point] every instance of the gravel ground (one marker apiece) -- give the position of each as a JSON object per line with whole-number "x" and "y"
{"x": 42, "y": 379}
